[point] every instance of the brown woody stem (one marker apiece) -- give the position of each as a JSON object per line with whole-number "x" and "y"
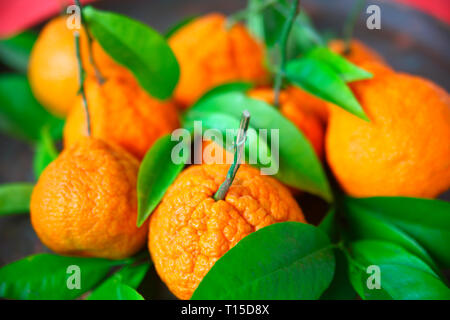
{"x": 238, "y": 152}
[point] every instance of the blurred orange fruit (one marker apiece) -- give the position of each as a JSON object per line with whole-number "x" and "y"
{"x": 121, "y": 113}
{"x": 293, "y": 109}
{"x": 358, "y": 53}
{"x": 404, "y": 149}
{"x": 85, "y": 202}
{"x": 190, "y": 231}
{"x": 53, "y": 66}
{"x": 210, "y": 54}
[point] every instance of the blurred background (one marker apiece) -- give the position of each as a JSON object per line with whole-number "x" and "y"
{"x": 414, "y": 38}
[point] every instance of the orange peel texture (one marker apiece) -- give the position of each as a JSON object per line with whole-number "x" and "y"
{"x": 190, "y": 231}
{"x": 209, "y": 54}
{"x": 404, "y": 149}
{"x": 85, "y": 202}
{"x": 121, "y": 113}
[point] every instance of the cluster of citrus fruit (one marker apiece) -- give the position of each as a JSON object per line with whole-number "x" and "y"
{"x": 85, "y": 202}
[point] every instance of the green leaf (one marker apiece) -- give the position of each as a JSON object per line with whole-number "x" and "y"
{"x": 45, "y": 152}
{"x": 362, "y": 224}
{"x": 222, "y": 122}
{"x": 156, "y": 174}
{"x": 267, "y": 25}
{"x": 345, "y": 69}
{"x": 20, "y": 113}
{"x": 319, "y": 79}
{"x": 288, "y": 260}
{"x": 420, "y": 225}
{"x": 48, "y": 276}
{"x": 341, "y": 287}
{"x": 137, "y": 47}
{"x": 122, "y": 284}
{"x": 180, "y": 24}
{"x": 299, "y": 166}
{"x": 225, "y": 88}
{"x": 402, "y": 274}
{"x": 329, "y": 225}
{"x": 15, "y": 51}
{"x": 15, "y": 198}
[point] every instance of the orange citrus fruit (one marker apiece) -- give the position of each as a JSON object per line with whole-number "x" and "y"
{"x": 210, "y": 54}
{"x": 85, "y": 202}
{"x": 310, "y": 104}
{"x": 121, "y": 113}
{"x": 404, "y": 149}
{"x": 53, "y": 65}
{"x": 358, "y": 54}
{"x": 190, "y": 231}
{"x": 292, "y": 108}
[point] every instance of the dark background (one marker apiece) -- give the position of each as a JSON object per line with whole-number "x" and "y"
{"x": 409, "y": 40}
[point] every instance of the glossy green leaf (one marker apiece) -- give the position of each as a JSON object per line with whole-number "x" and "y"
{"x": 15, "y": 51}
{"x": 223, "y": 122}
{"x": 20, "y": 113}
{"x": 122, "y": 284}
{"x": 288, "y": 260}
{"x": 15, "y": 198}
{"x": 137, "y": 47}
{"x": 50, "y": 276}
{"x": 298, "y": 164}
{"x": 402, "y": 274}
{"x": 180, "y": 24}
{"x": 319, "y": 79}
{"x": 225, "y": 88}
{"x": 345, "y": 69}
{"x": 329, "y": 225}
{"x": 341, "y": 287}
{"x": 267, "y": 25}
{"x": 420, "y": 225}
{"x": 362, "y": 224}
{"x": 45, "y": 152}
{"x": 156, "y": 174}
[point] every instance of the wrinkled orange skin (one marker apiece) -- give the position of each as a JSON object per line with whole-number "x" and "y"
{"x": 121, "y": 113}
{"x": 404, "y": 150}
{"x": 210, "y": 55}
{"x": 190, "y": 231}
{"x": 293, "y": 109}
{"x": 53, "y": 66}
{"x": 359, "y": 53}
{"x": 85, "y": 202}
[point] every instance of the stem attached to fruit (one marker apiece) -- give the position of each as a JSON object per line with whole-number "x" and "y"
{"x": 81, "y": 81}
{"x": 283, "y": 48}
{"x": 349, "y": 25}
{"x": 98, "y": 74}
{"x": 238, "y": 152}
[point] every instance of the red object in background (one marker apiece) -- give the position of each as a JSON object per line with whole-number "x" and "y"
{"x": 438, "y": 8}
{"x": 18, "y": 15}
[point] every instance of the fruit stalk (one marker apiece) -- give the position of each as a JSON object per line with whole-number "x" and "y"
{"x": 238, "y": 152}
{"x": 81, "y": 77}
{"x": 349, "y": 25}
{"x": 98, "y": 74}
{"x": 283, "y": 44}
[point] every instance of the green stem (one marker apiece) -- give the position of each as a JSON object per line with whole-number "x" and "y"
{"x": 98, "y": 74}
{"x": 238, "y": 152}
{"x": 282, "y": 45}
{"x": 81, "y": 77}
{"x": 350, "y": 23}
{"x": 242, "y": 14}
